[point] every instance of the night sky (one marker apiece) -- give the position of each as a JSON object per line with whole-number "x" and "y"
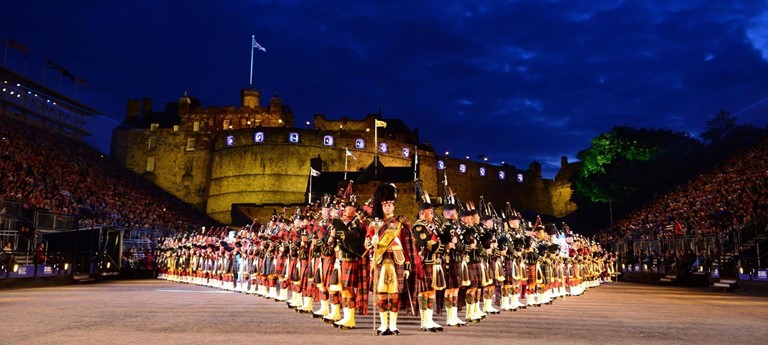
{"x": 517, "y": 81}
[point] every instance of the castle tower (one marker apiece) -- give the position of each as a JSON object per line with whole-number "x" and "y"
{"x": 184, "y": 104}
{"x": 133, "y": 111}
{"x": 249, "y": 98}
{"x": 275, "y": 105}
{"x": 146, "y": 107}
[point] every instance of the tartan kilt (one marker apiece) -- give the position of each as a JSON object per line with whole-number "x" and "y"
{"x": 268, "y": 266}
{"x": 489, "y": 276}
{"x": 399, "y": 271}
{"x": 452, "y": 274}
{"x": 318, "y": 277}
{"x": 350, "y": 273}
{"x": 531, "y": 275}
{"x": 432, "y": 280}
{"x": 475, "y": 275}
{"x": 279, "y": 266}
{"x": 425, "y": 283}
{"x": 327, "y": 267}
{"x": 509, "y": 271}
{"x": 546, "y": 271}
{"x": 303, "y": 272}
{"x": 290, "y": 271}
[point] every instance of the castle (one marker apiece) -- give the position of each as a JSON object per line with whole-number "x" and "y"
{"x": 240, "y": 162}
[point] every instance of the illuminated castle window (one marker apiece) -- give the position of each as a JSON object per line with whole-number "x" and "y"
{"x": 360, "y": 144}
{"x": 502, "y": 175}
{"x": 383, "y": 148}
{"x": 406, "y": 152}
{"x": 258, "y": 137}
{"x": 230, "y": 140}
{"x": 293, "y": 137}
{"x": 462, "y": 168}
{"x": 328, "y": 140}
{"x": 482, "y": 171}
{"x": 520, "y": 178}
{"x": 440, "y": 165}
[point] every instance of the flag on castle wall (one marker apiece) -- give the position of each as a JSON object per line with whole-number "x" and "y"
{"x": 313, "y": 172}
{"x": 350, "y": 154}
{"x": 62, "y": 70}
{"x": 17, "y": 46}
{"x": 381, "y": 124}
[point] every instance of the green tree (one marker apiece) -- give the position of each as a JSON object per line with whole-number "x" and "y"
{"x": 617, "y": 163}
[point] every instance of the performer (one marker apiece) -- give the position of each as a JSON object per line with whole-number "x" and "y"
{"x": 329, "y": 263}
{"x": 351, "y": 231}
{"x": 489, "y": 263}
{"x": 322, "y": 256}
{"x": 547, "y": 273}
{"x": 532, "y": 268}
{"x": 430, "y": 250}
{"x": 452, "y": 263}
{"x": 392, "y": 242}
{"x": 470, "y": 236}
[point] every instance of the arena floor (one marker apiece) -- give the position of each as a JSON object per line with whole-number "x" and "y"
{"x": 159, "y": 312}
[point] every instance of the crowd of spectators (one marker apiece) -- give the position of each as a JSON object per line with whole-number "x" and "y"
{"x": 46, "y": 171}
{"x": 722, "y": 199}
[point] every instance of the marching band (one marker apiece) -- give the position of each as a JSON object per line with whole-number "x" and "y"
{"x": 341, "y": 253}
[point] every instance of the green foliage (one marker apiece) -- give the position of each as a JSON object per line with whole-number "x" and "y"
{"x": 610, "y": 166}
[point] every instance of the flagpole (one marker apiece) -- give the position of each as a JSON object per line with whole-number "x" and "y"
{"x": 346, "y": 158}
{"x": 376, "y": 147}
{"x": 250, "y": 81}
{"x": 415, "y": 162}
{"x": 309, "y": 196}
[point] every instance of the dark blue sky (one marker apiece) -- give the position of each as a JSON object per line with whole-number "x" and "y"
{"x": 516, "y": 80}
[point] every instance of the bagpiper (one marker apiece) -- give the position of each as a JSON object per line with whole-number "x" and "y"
{"x": 351, "y": 263}
{"x": 430, "y": 250}
{"x": 452, "y": 262}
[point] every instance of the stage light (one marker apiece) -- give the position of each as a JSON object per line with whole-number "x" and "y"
{"x": 66, "y": 266}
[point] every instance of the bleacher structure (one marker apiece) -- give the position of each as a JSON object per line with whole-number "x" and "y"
{"x": 35, "y": 104}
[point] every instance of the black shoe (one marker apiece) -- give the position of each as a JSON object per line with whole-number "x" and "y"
{"x": 395, "y": 332}
{"x": 385, "y": 332}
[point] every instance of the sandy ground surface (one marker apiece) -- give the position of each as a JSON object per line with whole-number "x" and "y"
{"x": 160, "y": 312}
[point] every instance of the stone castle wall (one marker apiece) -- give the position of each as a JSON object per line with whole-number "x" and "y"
{"x": 223, "y": 167}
